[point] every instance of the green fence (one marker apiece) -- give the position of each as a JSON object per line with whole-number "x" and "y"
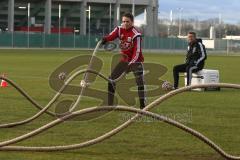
{"x": 40, "y": 40}
{"x": 46, "y": 40}
{"x": 164, "y": 43}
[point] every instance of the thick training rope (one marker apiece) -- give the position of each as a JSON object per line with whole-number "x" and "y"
{"x": 85, "y": 78}
{"x": 4, "y": 145}
{"x": 84, "y": 82}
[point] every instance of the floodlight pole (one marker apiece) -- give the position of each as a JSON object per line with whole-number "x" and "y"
{"x": 170, "y": 23}
{"x": 110, "y": 17}
{"x": 133, "y": 7}
{"x": 74, "y": 38}
{"x": 28, "y": 15}
{"x": 12, "y": 38}
{"x": 180, "y": 21}
{"x": 89, "y": 27}
{"x": 59, "y": 25}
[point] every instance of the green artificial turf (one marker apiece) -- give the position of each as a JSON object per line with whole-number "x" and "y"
{"x": 215, "y": 114}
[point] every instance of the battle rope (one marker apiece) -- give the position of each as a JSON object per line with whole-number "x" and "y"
{"x": 4, "y": 144}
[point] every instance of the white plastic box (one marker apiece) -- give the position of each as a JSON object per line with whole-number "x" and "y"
{"x": 204, "y": 76}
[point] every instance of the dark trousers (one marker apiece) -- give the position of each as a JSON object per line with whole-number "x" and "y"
{"x": 181, "y": 68}
{"x": 137, "y": 69}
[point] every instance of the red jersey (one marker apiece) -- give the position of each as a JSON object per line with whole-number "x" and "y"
{"x": 130, "y": 43}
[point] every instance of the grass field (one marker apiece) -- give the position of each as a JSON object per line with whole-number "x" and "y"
{"x": 215, "y": 114}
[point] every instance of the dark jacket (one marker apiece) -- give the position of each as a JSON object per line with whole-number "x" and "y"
{"x": 196, "y": 54}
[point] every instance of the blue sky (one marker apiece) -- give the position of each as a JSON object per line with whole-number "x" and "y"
{"x": 203, "y": 9}
{"x": 229, "y": 10}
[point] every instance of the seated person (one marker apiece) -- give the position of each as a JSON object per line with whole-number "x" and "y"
{"x": 195, "y": 58}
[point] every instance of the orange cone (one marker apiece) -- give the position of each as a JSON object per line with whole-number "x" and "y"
{"x": 3, "y": 82}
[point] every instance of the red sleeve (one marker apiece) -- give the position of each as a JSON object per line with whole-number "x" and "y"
{"x": 113, "y": 35}
{"x": 137, "y": 49}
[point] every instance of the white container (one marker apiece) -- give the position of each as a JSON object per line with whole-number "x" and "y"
{"x": 203, "y": 77}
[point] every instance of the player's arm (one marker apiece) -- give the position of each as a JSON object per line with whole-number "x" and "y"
{"x": 137, "y": 48}
{"x": 111, "y": 36}
{"x": 201, "y": 52}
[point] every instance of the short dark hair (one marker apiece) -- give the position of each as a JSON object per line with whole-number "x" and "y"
{"x": 129, "y": 15}
{"x": 193, "y": 33}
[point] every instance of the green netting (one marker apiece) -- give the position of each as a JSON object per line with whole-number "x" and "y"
{"x": 41, "y": 40}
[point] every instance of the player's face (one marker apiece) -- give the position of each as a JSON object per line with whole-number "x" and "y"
{"x": 191, "y": 38}
{"x": 126, "y": 22}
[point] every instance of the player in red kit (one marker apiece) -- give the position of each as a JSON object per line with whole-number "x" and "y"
{"x": 132, "y": 57}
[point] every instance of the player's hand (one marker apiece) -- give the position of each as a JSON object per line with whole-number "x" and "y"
{"x": 109, "y": 46}
{"x": 104, "y": 41}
